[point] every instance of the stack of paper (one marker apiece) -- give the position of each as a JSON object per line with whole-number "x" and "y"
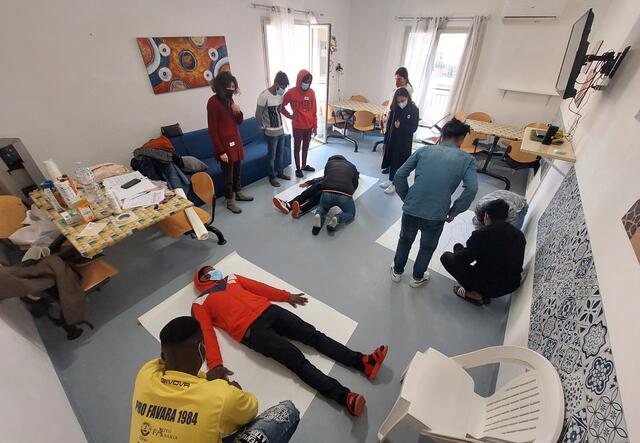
{"x": 143, "y": 193}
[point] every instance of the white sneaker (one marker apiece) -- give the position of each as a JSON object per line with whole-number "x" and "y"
{"x": 317, "y": 221}
{"x": 390, "y": 190}
{"x": 395, "y": 277}
{"x": 385, "y": 184}
{"x": 331, "y": 226}
{"x": 417, "y": 283}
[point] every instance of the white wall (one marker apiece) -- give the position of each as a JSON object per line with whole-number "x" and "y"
{"x": 27, "y": 377}
{"x": 523, "y": 54}
{"x": 75, "y": 88}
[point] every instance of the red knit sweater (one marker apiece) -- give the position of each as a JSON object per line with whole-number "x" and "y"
{"x": 224, "y": 130}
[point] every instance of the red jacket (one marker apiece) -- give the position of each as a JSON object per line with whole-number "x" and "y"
{"x": 303, "y": 104}
{"x": 224, "y": 130}
{"x": 232, "y": 305}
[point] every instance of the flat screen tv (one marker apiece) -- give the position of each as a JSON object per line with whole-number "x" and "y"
{"x": 574, "y": 56}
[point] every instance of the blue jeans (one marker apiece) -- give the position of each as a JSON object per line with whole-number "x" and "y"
{"x": 392, "y": 173}
{"x": 430, "y": 231}
{"x": 345, "y": 202}
{"x": 275, "y": 147}
{"x": 519, "y": 221}
{"x": 275, "y": 425}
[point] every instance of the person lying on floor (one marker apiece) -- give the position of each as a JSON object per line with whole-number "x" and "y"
{"x": 173, "y": 399}
{"x": 242, "y": 308}
{"x": 498, "y": 252}
{"x": 518, "y": 207}
{"x": 303, "y": 202}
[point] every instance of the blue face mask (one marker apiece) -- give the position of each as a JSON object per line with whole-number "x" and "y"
{"x": 216, "y": 274}
{"x": 305, "y": 86}
{"x": 280, "y": 91}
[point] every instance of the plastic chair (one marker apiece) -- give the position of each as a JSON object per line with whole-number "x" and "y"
{"x": 178, "y": 224}
{"x": 359, "y": 98}
{"x": 470, "y": 143}
{"x": 363, "y": 121}
{"x": 438, "y": 399}
{"x": 95, "y": 274}
{"x": 12, "y": 214}
{"x": 516, "y": 159}
{"x": 332, "y": 118}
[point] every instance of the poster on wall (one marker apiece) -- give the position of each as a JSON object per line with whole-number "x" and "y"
{"x": 631, "y": 222}
{"x": 179, "y": 63}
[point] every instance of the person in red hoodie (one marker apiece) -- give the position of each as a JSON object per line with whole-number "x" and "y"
{"x": 224, "y": 117}
{"x": 304, "y": 118}
{"x": 242, "y": 308}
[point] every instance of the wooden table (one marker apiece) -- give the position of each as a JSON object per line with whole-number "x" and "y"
{"x": 497, "y": 131}
{"x": 559, "y": 152}
{"x": 355, "y": 106}
{"x": 89, "y": 247}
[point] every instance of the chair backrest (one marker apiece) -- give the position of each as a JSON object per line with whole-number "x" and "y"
{"x": 459, "y": 116}
{"x": 363, "y": 119}
{"x": 385, "y": 103}
{"x": 480, "y": 116}
{"x": 516, "y": 154}
{"x": 12, "y": 214}
{"x": 203, "y": 187}
{"x": 330, "y": 112}
{"x": 359, "y": 98}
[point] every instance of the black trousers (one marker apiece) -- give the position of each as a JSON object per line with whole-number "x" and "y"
{"x": 231, "y": 173}
{"x": 269, "y": 335}
{"x": 309, "y": 198}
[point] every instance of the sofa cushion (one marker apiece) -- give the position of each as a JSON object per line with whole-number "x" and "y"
{"x": 249, "y": 131}
{"x": 198, "y": 144}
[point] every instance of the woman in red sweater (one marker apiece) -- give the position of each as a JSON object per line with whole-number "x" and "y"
{"x": 224, "y": 117}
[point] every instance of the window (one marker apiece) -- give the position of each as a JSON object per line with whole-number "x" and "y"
{"x": 275, "y": 55}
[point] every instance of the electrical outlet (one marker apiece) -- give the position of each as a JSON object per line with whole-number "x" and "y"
{"x": 638, "y": 116}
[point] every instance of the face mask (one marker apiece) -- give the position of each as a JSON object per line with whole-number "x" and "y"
{"x": 280, "y": 91}
{"x": 230, "y": 92}
{"x": 305, "y": 86}
{"x": 399, "y": 82}
{"x": 402, "y": 104}
{"x": 216, "y": 274}
{"x": 202, "y": 353}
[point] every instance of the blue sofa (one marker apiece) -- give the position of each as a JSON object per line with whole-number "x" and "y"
{"x": 254, "y": 166}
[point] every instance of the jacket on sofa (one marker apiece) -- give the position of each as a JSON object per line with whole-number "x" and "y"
{"x": 158, "y": 164}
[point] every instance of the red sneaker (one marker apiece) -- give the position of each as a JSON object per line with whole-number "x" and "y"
{"x": 282, "y": 205}
{"x": 295, "y": 210}
{"x": 355, "y": 404}
{"x": 373, "y": 361}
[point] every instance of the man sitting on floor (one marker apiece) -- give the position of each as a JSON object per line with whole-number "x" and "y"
{"x": 518, "y": 207}
{"x": 498, "y": 252}
{"x": 303, "y": 202}
{"x": 242, "y": 308}
{"x": 173, "y": 399}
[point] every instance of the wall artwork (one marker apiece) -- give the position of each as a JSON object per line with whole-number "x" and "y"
{"x": 179, "y": 63}
{"x": 568, "y": 324}
{"x": 631, "y": 223}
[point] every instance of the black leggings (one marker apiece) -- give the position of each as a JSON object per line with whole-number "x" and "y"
{"x": 269, "y": 335}
{"x": 309, "y": 198}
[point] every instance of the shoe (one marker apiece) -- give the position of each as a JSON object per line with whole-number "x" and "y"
{"x": 395, "y": 277}
{"x": 333, "y": 223}
{"x": 242, "y": 197}
{"x": 275, "y": 183}
{"x": 417, "y": 283}
{"x": 385, "y": 184}
{"x": 317, "y": 224}
{"x": 309, "y": 168}
{"x": 283, "y": 176}
{"x": 390, "y": 190}
{"x": 295, "y": 210}
{"x": 355, "y": 404}
{"x": 385, "y": 171}
{"x": 373, "y": 361}
{"x": 282, "y": 205}
{"x": 231, "y": 206}
{"x": 299, "y": 173}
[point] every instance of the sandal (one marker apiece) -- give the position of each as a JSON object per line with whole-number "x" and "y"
{"x": 462, "y": 293}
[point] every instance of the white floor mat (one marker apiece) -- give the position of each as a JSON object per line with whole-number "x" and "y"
{"x": 270, "y": 381}
{"x": 458, "y": 231}
{"x": 363, "y": 186}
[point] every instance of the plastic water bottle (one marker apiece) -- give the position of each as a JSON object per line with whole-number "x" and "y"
{"x": 92, "y": 190}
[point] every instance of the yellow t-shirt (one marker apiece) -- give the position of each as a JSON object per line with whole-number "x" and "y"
{"x": 172, "y": 406}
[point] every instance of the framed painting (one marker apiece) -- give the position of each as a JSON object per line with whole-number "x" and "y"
{"x": 179, "y": 63}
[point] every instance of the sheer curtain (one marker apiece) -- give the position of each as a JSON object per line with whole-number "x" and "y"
{"x": 283, "y": 26}
{"x": 418, "y": 60}
{"x": 468, "y": 64}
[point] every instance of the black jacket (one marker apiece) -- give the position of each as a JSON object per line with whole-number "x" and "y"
{"x": 340, "y": 175}
{"x": 398, "y": 141}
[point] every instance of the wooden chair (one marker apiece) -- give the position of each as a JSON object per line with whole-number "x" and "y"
{"x": 332, "y": 118}
{"x": 516, "y": 159}
{"x": 95, "y": 274}
{"x": 12, "y": 214}
{"x": 178, "y": 224}
{"x": 363, "y": 122}
{"x": 385, "y": 103}
{"x": 359, "y": 98}
{"x": 470, "y": 143}
{"x": 459, "y": 116}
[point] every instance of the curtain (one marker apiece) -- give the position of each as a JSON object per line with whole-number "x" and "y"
{"x": 283, "y": 27}
{"x": 418, "y": 60}
{"x": 468, "y": 64}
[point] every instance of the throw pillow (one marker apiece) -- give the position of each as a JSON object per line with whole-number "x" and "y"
{"x": 172, "y": 130}
{"x": 193, "y": 165}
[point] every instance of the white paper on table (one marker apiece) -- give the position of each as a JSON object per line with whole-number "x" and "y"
{"x": 92, "y": 229}
{"x": 145, "y": 185}
{"x": 119, "y": 180}
{"x": 146, "y": 199}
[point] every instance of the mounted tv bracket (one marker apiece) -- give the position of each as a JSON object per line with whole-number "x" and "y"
{"x": 611, "y": 61}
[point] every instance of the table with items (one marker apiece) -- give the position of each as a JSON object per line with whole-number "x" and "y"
{"x": 354, "y": 106}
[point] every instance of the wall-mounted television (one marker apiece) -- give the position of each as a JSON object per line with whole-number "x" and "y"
{"x": 574, "y": 56}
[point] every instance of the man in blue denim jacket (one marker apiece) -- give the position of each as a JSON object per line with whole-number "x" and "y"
{"x": 427, "y": 204}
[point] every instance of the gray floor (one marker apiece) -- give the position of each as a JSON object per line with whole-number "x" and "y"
{"x": 347, "y": 270}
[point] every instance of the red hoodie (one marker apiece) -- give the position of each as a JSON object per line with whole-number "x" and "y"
{"x": 232, "y": 305}
{"x": 303, "y": 104}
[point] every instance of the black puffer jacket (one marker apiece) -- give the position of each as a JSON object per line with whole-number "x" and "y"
{"x": 340, "y": 175}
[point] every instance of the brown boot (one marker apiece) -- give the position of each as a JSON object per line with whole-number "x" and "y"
{"x": 231, "y": 206}
{"x": 242, "y": 197}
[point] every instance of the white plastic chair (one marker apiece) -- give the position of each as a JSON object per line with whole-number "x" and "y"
{"x": 438, "y": 399}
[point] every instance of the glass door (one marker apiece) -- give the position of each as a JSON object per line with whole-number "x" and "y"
{"x": 319, "y": 67}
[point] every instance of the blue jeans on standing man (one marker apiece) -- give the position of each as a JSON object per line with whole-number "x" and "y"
{"x": 275, "y": 425}
{"x": 430, "y": 231}
{"x": 345, "y": 202}
{"x": 275, "y": 148}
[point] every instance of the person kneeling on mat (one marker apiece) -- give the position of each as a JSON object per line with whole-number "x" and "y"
{"x": 242, "y": 308}
{"x": 498, "y": 250}
{"x": 173, "y": 399}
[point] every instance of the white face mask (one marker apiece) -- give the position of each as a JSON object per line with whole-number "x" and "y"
{"x": 402, "y": 105}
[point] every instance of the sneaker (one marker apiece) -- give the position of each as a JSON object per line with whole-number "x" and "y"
{"x": 275, "y": 183}
{"x": 295, "y": 209}
{"x": 385, "y": 171}
{"x": 299, "y": 173}
{"x": 390, "y": 190}
{"x": 282, "y": 205}
{"x": 385, "y": 184}
{"x": 395, "y": 277}
{"x": 333, "y": 223}
{"x": 417, "y": 283}
{"x": 355, "y": 404}
{"x": 317, "y": 224}
{"x": 373, "y": 361}
{"x": 309, "y": 168}
{"x": 283, "y": 176}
